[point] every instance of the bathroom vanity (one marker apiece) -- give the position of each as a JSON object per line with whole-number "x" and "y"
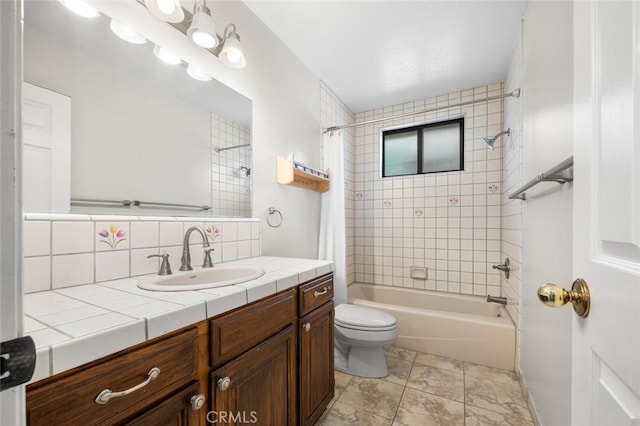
{"x": 267, "y": 362}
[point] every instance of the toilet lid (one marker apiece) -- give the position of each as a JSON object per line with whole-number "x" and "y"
{"x": 361, "y": 317}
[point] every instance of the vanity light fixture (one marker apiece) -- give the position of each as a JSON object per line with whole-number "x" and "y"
{"x": 200, "y": 28}
{"x": 198, "y": 73}
{"x": 165, "y": 56}
{"x": 167, "y": 10}
{"x": 126, "y": 33}
{"x": 202, "y": 31}
{"x": 231, "y": 54}
{"x": 80, "y": 8}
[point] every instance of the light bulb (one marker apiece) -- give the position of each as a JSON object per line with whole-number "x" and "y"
{"x": 165, "y": 56}
{"x": 233, "y": 57}
{"x": 197, "y": 73}
{"x": 204, "y": 39}
{"x": 166, "y": 6}
{"x": 231, "y": 54}
{"x": 167, "y": 10}
{"x": 202, "y": 30}
{"x": 81, "y": 8}
{"x": 126, "y": 33}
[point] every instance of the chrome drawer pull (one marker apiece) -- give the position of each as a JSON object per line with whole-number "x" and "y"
{"x": 324, "y": 291}
{"x": 107, "y": 394}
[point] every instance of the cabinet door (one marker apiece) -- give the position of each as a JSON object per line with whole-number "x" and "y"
{"x": 317, "y": 378}
{"x": 259, "y": 386}
{"x": 176, "y": 410}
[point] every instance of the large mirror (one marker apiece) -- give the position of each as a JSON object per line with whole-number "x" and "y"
{"x": 140, "y": 130}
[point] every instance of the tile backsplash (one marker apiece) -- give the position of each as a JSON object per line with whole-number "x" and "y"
{"x": 69, "y": 250}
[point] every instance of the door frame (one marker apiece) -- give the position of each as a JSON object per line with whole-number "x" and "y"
{"x": 12, "y": 401}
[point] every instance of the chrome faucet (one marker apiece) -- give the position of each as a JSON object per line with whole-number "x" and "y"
{"x": 165, "y": 267}
{"x": 185, "y": 261}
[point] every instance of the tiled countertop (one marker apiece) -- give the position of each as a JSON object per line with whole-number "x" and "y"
{"x": 75, "y": 325}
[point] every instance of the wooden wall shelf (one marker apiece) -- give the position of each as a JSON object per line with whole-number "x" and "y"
{"x": 291, "y": 172}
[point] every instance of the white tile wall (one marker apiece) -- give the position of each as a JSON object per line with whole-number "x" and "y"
{"x": 334, "y": 112}
{"x": 446, "y": 222}
{"x": 144, "y": 234}
{"x": 71, "y": 237}
{"x": 36, "y": 238}
{"x": 231, "y": 187}
{"x": 82, "y": 253}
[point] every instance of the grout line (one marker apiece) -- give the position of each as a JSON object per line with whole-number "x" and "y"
{"x": 464, "y": 396}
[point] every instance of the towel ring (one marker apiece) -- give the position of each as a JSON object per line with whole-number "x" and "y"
{"x": 272, "y": 211}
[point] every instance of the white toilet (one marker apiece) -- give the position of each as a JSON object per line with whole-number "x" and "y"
{"x": 360, "y": 337}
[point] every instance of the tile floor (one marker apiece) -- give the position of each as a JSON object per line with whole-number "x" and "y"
{"x": 425, "y": 390}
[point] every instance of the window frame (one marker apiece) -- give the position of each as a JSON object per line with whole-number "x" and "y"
{"x": 418, "y": 128}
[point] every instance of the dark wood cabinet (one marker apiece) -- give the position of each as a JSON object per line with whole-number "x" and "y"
{"x": 267, "y": 363}
{"x": 259, "y": 386}
{"x": 316, "y": 377}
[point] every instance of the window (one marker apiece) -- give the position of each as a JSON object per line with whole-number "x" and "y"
{"x": 425, "y": 148}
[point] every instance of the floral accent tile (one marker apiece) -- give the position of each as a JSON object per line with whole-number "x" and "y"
{"x": 454, "y": 201}
{"x": 419, "y": 212}
{"x": 212, "y": 232}
{"x": 492, "y": 188}
{"x": 112, "y": 236}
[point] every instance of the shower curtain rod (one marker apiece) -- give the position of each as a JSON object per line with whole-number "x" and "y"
{"x": 515, "y": 94}
{"x": 232, "y": 147}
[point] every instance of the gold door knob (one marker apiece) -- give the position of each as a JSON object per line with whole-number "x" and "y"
{"x": 555, "y": 296}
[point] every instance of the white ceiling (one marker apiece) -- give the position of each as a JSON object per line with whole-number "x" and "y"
{"x": 374, "y": 54}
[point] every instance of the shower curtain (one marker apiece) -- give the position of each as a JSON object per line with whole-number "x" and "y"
{"x": 332, "y": 239}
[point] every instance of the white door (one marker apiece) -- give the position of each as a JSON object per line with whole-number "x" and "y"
{"x": 46, "y": 150}
{"x": 606, "y": 344}
{"x": 12, "y": 399}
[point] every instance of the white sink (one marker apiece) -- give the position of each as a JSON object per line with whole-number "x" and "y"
{"x": 218, "y": 276}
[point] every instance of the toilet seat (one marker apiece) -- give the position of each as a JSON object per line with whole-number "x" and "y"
{"x": 361, "y": 318}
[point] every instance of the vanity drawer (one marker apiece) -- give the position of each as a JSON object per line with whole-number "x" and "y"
{"x": 236, "y": 332}
{"x": 315, "y": 293}
{"x": 70, "y": 399}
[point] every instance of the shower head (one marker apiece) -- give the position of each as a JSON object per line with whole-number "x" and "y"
{"x": 246, "y": 170}
{"x": 490, "y": 141}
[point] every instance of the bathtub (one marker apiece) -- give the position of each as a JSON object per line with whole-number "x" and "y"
{"x": 455, "y": 326}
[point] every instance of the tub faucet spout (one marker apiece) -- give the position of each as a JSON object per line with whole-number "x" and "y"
{"x": 497, "y": 299}
{"x": 185, "y": 261}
